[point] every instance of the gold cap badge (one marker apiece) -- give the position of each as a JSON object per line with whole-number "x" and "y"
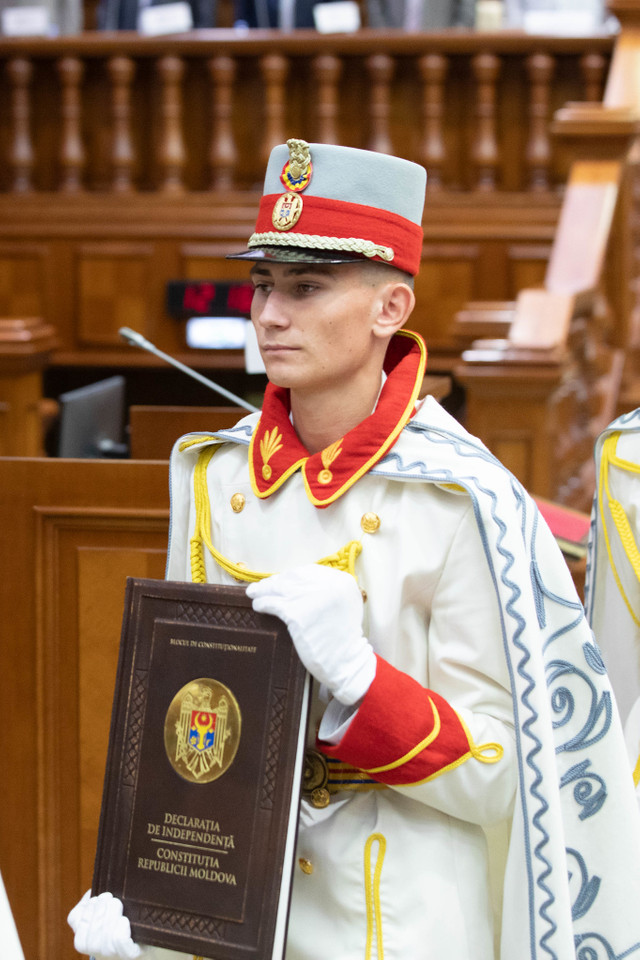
{"x": 286, "y": 211}
{"x": 296, "y": 173}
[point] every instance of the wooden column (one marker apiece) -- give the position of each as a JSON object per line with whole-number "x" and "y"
{"x": 25, "y": 347}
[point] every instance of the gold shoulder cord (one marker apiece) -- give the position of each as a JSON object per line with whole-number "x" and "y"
{"x": 344, "y": 559}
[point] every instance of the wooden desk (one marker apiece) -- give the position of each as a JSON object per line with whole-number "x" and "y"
{"x": 154, "y": 429}
{"x": 72, "y": 530}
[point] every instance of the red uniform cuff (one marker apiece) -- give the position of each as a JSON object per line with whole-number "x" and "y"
{"x": 403, "y": 733}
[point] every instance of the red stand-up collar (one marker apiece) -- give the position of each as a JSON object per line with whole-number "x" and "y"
{"x": 276, "y": 452}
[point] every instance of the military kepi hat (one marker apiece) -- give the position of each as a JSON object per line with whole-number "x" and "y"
{"x": 325, "y": 203}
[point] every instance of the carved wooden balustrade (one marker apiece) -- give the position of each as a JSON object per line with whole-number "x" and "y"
{"x": 202, "y": 111}
{"x": 133, "y": 161}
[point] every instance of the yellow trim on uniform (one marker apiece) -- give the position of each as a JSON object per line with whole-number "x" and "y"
{"x": 274, "y": 486}
{"x": 618, "y": 515}
{"x": 636, "y": 772}
{"x": 391, "y": 439}
{"x": 372, "y": 894}
{"x": 343, "y": 559}
{"x": 415, "y": 750}
{"x": 194, "y": 441}
{"x": 455, "y": 487}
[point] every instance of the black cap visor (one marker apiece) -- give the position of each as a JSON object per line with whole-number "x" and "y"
{"x": 296, "y": 255}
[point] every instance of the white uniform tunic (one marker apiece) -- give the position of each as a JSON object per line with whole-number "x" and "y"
{"x": 416, "y": 618}
{"x": 467, "y": 595}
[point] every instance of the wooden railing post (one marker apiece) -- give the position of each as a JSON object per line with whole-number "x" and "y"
{"x": 171, "y": 150}
{"x": 72, "y": 154}
{"x": 486, "y": 67}
{"x": 540, "y": 67}
{"x": 20, "y": 71}
{"x": 433, "y": 70}
{"x": 274, "y": 69}
{"x": 380, "y": 68}
{"x": 326, "y": 71}
{"x": 121, "y": 73}
{"x": 222, "y": 151}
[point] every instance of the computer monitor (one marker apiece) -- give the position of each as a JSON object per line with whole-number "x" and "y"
{"x": 92, "y": 420}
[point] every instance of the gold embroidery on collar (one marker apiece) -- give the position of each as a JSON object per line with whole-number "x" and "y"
{"x": 270, "y": 444}
{"x": 328, "y": 455}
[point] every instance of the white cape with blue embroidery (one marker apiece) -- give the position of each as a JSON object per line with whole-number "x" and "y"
{"x": 572, "y": 882}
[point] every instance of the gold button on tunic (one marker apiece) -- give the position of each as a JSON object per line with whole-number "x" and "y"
{"x": 370, "y": 522}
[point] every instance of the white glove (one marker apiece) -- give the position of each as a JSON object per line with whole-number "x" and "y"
{"x": 102, "y": 931}
{"x": 322, "y": 607}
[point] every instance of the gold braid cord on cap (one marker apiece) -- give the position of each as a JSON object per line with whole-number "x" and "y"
{"x": 344, "y": 559}
{"x": 351, "y": 244}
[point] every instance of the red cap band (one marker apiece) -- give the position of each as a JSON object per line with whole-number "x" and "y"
{"x": 326, "y": 219}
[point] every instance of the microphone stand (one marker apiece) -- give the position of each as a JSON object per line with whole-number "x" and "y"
{"x": 137, "y": 340}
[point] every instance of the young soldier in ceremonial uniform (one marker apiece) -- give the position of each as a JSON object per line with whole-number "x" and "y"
{"x": 471, "y": 798}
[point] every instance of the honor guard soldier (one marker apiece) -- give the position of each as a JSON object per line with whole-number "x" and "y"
{"x": 467, "y": 794}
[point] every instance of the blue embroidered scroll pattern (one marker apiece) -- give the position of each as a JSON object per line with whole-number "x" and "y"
{"x": 392, "y": 465}
{"x": 591, "y": 946}
{"x": 578, "y": 703}
{"x": 588, "y": 886}
{"x": 589, "y": 789}
{"x": 578, "y": 692}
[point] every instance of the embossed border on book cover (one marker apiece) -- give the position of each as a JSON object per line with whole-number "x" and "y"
{"x": 202, "y": 785}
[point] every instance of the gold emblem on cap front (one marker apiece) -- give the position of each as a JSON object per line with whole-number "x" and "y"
{"x": 287, "y": 211}
{"x": 202, "y": 730}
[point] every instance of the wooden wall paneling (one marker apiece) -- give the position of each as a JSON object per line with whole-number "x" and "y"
{"x": 25, "y": 274}
{"x": 206, "y": 261}
{"x": 526, "y": 265}
{"x": 447, "y": 280}
{"x": 72, "y": 532}
{"x": 115, "y": 289}
{"x": 520, "y": 437}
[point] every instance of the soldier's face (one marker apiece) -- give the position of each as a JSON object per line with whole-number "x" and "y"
{"x": 314, "y": 323}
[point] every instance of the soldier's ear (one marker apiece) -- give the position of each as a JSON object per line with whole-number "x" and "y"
{"x": 397, "y": 301}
